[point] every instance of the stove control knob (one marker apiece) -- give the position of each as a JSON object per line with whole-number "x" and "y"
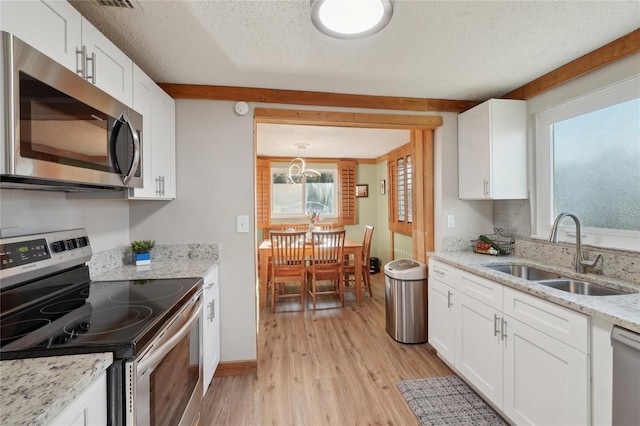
{"x": 58, "y": 246}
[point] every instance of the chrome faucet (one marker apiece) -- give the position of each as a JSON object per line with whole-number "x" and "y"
{"x": 580, "y": 263}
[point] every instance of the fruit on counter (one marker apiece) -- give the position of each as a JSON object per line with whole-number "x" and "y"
{"x": 490, "y": 242}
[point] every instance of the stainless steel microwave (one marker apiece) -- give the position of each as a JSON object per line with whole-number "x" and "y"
{"x": 60, "y": 131}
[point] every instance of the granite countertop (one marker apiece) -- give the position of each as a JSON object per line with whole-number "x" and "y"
{"x": 622, "y": 310}
{"x": 35, "y": 390}
{"x": 158, "y": 269}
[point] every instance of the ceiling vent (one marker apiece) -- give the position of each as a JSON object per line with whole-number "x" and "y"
{"x": 122, "y": 4}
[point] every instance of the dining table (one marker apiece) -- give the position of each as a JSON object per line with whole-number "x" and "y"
{"x": 351, "y": 247}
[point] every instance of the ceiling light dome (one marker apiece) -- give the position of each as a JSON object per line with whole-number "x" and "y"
{"x": 348, "y": 19}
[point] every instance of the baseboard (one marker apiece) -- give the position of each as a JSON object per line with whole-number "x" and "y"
{"x": 236, "y": 368}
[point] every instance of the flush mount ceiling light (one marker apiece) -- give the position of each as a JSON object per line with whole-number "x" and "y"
{"x": 297, "y": 168}
{"x": 349, "y": 19}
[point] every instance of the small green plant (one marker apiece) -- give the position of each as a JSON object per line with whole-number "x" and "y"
{"x": 142, "y": 246}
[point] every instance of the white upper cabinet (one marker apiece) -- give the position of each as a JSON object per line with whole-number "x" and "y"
{"x": 52, "y": 27}
{"x": 492, "y": 151}
{"x": 105, "y": 65}
{"x": 59, "y": 31}
{"x": 158, "y": 139}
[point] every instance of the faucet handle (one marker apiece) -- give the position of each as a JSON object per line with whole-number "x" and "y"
{"x": 590, "y": 263}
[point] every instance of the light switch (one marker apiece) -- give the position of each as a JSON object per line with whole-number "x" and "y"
{"x": 242, "y": 224}
{"x": 450, "y": 222}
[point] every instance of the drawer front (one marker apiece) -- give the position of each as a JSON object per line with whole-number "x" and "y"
{"x": 568, "y": 326}
{"x": 481, "y": 289}
{"x": 442, "y": 272}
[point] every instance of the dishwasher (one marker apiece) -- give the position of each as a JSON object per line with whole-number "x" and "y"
{"x": 626, "y": 376}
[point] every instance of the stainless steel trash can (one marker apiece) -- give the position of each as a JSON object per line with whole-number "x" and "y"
{"x": 405, "y": 293}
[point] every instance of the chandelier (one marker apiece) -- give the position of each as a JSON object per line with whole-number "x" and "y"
{"x": 298, "y": 171}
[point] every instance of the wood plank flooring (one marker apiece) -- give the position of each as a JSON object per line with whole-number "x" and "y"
{"x": 332, "y": 367}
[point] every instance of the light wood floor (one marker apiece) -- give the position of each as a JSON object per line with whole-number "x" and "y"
{"x": 332, "y": 367}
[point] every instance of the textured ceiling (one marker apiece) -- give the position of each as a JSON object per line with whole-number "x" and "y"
{"x": 468, "y": 50}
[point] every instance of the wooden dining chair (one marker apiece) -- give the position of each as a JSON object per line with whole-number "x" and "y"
{"x": 327, "y": 251}
{"x": 287, "y": 265}
{"x": 350, "y": 267}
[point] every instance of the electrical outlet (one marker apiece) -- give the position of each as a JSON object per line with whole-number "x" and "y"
{"x": 450, "y": 222}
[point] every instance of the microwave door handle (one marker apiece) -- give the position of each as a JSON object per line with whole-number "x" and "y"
{"x": 136, "y": 149}
{"x": 155, "y": 355}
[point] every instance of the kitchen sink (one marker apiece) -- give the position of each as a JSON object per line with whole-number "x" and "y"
{"x": 526, "y": 272}
{"x": 581, "y": 287}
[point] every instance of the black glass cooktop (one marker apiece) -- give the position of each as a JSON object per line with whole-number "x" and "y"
{"x": 100, "y": 316}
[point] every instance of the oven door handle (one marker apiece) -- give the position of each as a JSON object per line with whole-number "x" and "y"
{"x": 155, "y": 355}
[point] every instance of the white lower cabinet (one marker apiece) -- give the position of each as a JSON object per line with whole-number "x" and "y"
{"x": 546, "y": 382}
{"x": 478, "y": 346}
{"x": 211, "y": 326}
{"x": 530, "y": 358}
{"x": 89, "y": 408}
{"x": 441, "y": 313}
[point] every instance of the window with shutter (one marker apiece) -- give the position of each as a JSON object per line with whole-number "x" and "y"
{"x": 400, "y": 171}
{"x": 346, "y": 175}
{"x": 347, "y": 170}
{"x": 263, "y": 193}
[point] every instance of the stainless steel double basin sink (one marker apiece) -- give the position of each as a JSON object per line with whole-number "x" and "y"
{"x": 552, "y": 279}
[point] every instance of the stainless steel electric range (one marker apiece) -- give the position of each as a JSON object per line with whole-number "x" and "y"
{"x": 50, "y": 307}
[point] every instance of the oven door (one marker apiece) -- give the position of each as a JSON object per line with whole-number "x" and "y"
{"x": 163, "y": 386}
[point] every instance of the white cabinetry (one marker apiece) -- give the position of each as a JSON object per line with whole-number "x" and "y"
{"x": 546, "y": 362}
{"x": 89, "y": 408}
{"x": 211, "y": 327}
{"x": 105, "y": 65}
{"x": 479, "y": 335}
{"x": 492, "y": 151}
{"x": 158, "y": 139}
{"x": 530, "y": 358}
{"x": 52, "y": 27}
{"x": 441, "y": 313}
{"x": 59, "y": 31}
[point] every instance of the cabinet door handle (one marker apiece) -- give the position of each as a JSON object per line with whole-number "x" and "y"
{"x": 504, "y": 330}
{"x": 162, "y": 185}
{"x": 91, "y": 59}
{"x": 486, "y": 187}
{"x": 212, "y": 311}
{"x": 496, "y": 326}
{"x": 449, "y": 294}
{"x": 158, "y": 188}
{"x": 439, "y": 272}
{"x": 81, "y": 57}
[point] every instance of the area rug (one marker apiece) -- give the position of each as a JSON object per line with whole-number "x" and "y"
{"x": 447, "y": 401}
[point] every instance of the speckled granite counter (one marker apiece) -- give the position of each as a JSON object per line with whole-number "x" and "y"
{"x": 34, "y": 391}
{"x": 157, "y": 270}
{"x": 623, "y": 310}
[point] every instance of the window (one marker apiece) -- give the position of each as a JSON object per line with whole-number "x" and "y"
{"x": 400, "y": 190}
{"x": 295, "y": 200}
{"x": 588, "y": 163}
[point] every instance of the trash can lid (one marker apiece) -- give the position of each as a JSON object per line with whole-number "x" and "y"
{"x": 406, "y": 269}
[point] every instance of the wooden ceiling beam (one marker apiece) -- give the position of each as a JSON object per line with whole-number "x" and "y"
{"x": 346, "y": 119}
{"x": 607, "y": 54}
{"x": 299, "y": 97}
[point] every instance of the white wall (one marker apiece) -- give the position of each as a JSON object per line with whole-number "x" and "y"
{"x": 106, "y": 221}
{"x": 215, "y": 183}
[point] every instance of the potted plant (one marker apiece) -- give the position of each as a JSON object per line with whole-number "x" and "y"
{"x": 142, "y": 251}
